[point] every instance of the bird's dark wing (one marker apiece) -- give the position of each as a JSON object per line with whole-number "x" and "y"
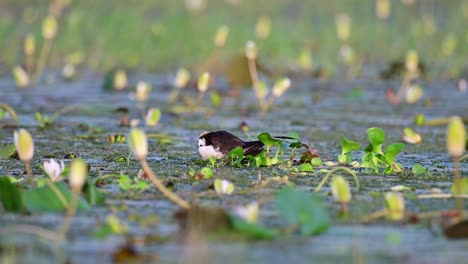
{"x": 253, "y": 147}
{"x": 226, "y": 141}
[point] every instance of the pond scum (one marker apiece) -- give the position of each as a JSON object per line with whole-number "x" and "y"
{"x": 305, "y": 189}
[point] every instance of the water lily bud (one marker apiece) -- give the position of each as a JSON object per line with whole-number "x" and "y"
{"x": 343, "y": 26}
{"x": 382, "y": 9}
{"x": 182, "y": 78}
{"x": 250, "y": 50}
{"x": 395, "y": 204}
{"x": 411, "y": 137}
{"x": 420, "y": 119}
{"x": 53, "y": 169}
{"x": 24, "y": 144}
{"x": 249, "y": 213}
{"x": 138, "y": 143}
{"x": 281, "y": 86}
{"x": 263, "y": 27}
{"x": 340, "y": 189}
{"x": 78, "y": 173}
{"x": 413, "y": 94}
{"x": 21, "y": 77}
{"x": 412, "y": 61}
{"x": 221, "y": 36}
{"x": 29, "y": 45}
{"x": 143, "y": 90}
{"x": 120, "y": 80}
{"x": 305, "y": 60}
{"x": 153, "y": 116}
{"x": 456, "y": 137}
{"x": 223, "y": 187}
{"x": 49, "y": 27}
{"x": 203, "y": 82}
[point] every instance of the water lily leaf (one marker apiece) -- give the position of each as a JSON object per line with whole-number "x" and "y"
{"x": 7, "y": 151}
{"x": 10, "y": 196}
{"x": 303, "y": 209}
{"x": 348, "y": 145}
{"x": 418, "y": 169}
{"x": 250, "y": 229}
{"x": 46, "y": 199}
{"x": 392, "y": 151}
{"x": 305, "y": 167}
{"x": 376, "y": 137}
{"x": 267, "y": 139}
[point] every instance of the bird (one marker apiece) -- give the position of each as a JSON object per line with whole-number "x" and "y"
{"x": 219, "y": 143}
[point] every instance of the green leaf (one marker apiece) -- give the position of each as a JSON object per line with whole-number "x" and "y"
{"x": 125, "y": 183}
{"x": 7, "y": 151}
{"x": 10, "y": 196}
{"x": 236, "y": 155}
{"x": 316, "y": 162}
{"x": 348, "y": 145}
{"x": 250, "y": 229}
{"x": 418, "y": 169}
{"x": 305, "y": 167}
{"x": 304, "y": 209}
{"x": 392, "y": 151}
{"x": 207, "y": 172}
{"x": 344, "y": 158}
{"x": 45, "y": 199}
{"x": 92, "y": 194}
{"x": 293, "y": 135}
{"x": 376, "y": 137}
{"x": 267, "y": 139}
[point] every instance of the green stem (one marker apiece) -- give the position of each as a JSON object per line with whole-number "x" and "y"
{"x": 168, "y": 193}
{"x": 71, "y": 211}
{"x": 42, "y": 61}
{"x": 58, "y": 193}
{"x": 27, "y": 165}
{"x": 457, "y": 183}
{"x": 325, "y": 178}
{"x": 10, "y": 110}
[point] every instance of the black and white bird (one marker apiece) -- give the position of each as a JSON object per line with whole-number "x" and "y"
{"x": 219, "y": 143}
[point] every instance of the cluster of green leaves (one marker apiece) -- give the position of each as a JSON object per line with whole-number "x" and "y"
{"x": 303, "y": 210}
{"x": 127, "y": 184}
{"x": 51, "y": 197}
{"x": 374, "y": 156}
{"x": 267, "y": 158}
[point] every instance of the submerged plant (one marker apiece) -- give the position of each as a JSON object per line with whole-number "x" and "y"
{"x": 25, "y": 148}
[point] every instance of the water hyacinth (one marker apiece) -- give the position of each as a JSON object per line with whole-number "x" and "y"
{"x": 182, "y": 78}
{"x": 78, "y": 173}
{"x": 53, "y": 169}
{"x": 223, "y": 187}
{"x": 138, "y": 143}
{"x": 153, "y": 116}
{"x": 24, "y": 144}
{"x": 281, "y": 86}
{"x": 143, "y": 90}
{"x": 49, "y": 27}
{"x": 251, "y": 50}
{"x": 456, "y": 137}
{"x": 340, "y": 189}
{"x": 263, "y": 27}
{"x": 395, "y": 204}
{"x": 203, "y": 82}
{"x": 249, "y": 213}
{"x": 221, "y": 36}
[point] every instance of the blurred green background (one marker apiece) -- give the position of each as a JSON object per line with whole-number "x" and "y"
{"x": 165, "y": 34}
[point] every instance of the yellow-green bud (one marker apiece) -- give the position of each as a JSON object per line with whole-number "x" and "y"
{"x": 251, "y": 50}
{"x": 21, "y": 77}
{"x": 281, "y": 86}
{"x": 24, "y": 144}
{"x": 143, "y": 90}
{"x": 120, "y": 80}
{"x": 29, "y": 45}
{"x": 221, "y": 36}
{"x": 395, "y": 204}
{"x": 456, "y": 137}
{"x": 413, "y": 94}
{"x": 411, "y": 137}
{"x": 49, "y": 27}
{"x": 153, "y": 116}
{"x": 182, "y": 78}
{"x": 78, "y": 173}
{"x": 223, "y": 187}
{"x": 383, "y": 9}
{"x": 340, "y": 189}
{"x": 263, "y": 27}
{"x": 343, "y": 26}
{"x": 138, "y": 143}
{"x": 203, "y": 82}
{"x": 412, "y": 61}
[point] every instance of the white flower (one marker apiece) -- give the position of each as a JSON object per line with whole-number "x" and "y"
{"x": 53, "y": 169}
{"x": 249, "y": 213}
{"x": 223, "y": 187}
